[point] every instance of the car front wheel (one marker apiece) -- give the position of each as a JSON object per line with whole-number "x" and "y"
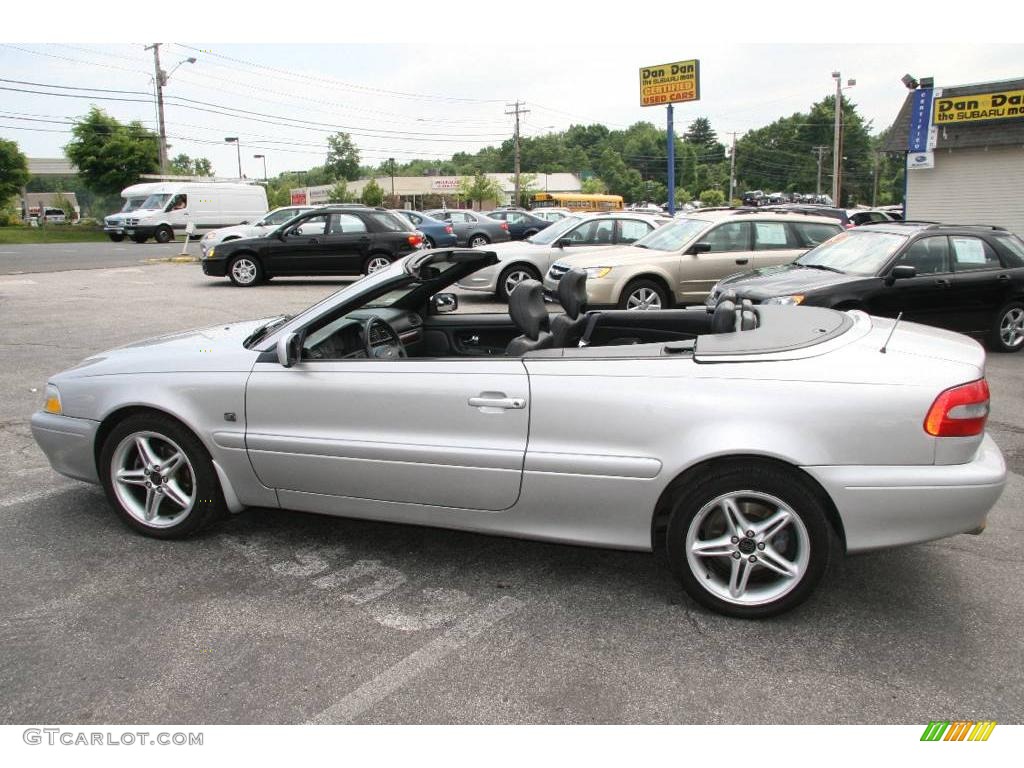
{"x": 478, "y": 241}
{"x": 513, "y": 276}
{"x": 163, "y": 234}
{"x": 159, "y": 477}
{"x": 1008, "y": 331}
{"x": 643, "y": 294}
{"x": 116, "y": 237}
{"x": 245, "y": 271}
{"x": 748, "y": 541}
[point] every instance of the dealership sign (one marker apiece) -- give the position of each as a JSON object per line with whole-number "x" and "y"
{"x": 670, "y": 83}
{"x": 916, "y": 160}
{"x": 445, "y": 183}
{"x": 979, "y": 106}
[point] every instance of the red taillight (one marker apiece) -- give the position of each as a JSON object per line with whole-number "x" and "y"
{"x": 449, "y": 230}
{"x": 849, "y": 225}
{"x": 415, "y": 240}
{"x": 959, "y": 411}
{"x": 504, "y": 225}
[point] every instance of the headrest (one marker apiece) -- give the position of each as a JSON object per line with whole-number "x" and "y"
{"x": 572, "y": 292}
{"x": 747, "y": 319}
{"x": 725, "y": 296}
{"x": 724, "y": 318}
{"x": 526, "y": 307}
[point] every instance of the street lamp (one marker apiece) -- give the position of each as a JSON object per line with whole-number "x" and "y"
{"x": 264, "y": 159}
{"x": 837, "y": 160}
{"x": 238, "y": 145}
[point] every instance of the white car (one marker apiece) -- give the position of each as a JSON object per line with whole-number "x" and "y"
{"x": 258, "y": 228}
{"x": 551, "y": 214}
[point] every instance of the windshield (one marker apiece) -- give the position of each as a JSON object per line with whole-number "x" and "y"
{"x": 155, "y": 201}
{"x": 674, "y": 235}
{"x": 548, "y": 235}
{"x": 132, "y": 204}
{"x": 857, "y": 252}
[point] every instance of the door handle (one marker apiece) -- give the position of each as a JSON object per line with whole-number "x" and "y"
{"x": 742, "y": 261}
{"x": 314, "y": 241}
{"x": 490, "y": 400}
{"x": 1003, "y": 278}
{"x": 942, "y": 283}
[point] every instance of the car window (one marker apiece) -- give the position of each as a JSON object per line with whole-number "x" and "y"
{"x": 515, "y": 218}
{"x": 631, "y": 230}
{"x": 1013, "y": 254}
{"x": 314, "y": 225}
{"x": 414, "y": 218}
{"x": 971, "y": 253}
{"x": 734, "y": 236}
{"x": 770, "y": 236}
{"x": 854, "y": 252}
{"x": 810, "y": 234}
{"x": 929, "y": 256}
{"x": 460, "y": 217}
{"x": 499, "y": 215}
{"x": 390, "y": 222}
{"x": 280, "y": 217}
{"x": 346, "y": 224}
{"x": 594, "y": 232}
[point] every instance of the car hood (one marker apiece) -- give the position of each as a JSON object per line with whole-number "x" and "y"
{"x": 782, "y": 280}
{"x": 215, "y": 349}
{"x": 611, "y": 256}
{"x": 515, "y": 249}
{"x": 247, "y": 231}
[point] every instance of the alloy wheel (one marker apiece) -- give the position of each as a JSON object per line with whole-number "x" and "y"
{"x": 153, "y": 479}
{"x": 244, "y": 271}
{"x": 1011, "y": 328}
{"x": 643, "y": 298}
{"x": 514, "y": 278}
{"x": 377, "y": 263}
{"x": 747, "y": 548}
{"x": 478, "y": 241}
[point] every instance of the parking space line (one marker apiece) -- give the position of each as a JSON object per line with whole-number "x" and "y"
{"x": 395, "y": 677}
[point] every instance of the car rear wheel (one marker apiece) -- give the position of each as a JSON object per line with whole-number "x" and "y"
{"x": 1008, "y": 330}
{"x": 427, "y": 242}
{"x": 139, "y": 238}
{"x": 748, "y": 540}
{"x": 115, "y": 237}
{"x": 160, "y": 478}
{"x": 375, "y": 263}
{"x": 643, "y": 294}
{"x": 245, "y": 271}
{"x": 513, "y": 276}
{"x": 479, "y": 241}
{"x": 163, "y": 234}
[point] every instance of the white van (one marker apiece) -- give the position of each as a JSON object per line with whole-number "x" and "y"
{"x": 133, "y": 196}
{"x": 206, "y": 205}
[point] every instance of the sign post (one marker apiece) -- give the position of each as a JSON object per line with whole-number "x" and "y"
{"x": 668, "y": 84}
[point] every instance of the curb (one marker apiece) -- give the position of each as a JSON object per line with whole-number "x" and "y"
{"x": 174, "y": 260}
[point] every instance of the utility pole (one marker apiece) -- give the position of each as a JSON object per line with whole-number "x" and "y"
{"x": 517, "y": 110}
{"x": 732, "y": 169}
{"x": 874, "y": 187}
{"x": 820, "y": 152}
{"x": 160, "y": 79}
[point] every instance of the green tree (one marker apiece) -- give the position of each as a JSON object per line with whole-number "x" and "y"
{"x": 527, "y": 187}
{"x": 13, "y": 171}
{"x": 111, "y": 155}
{"x": 593, "y": 186}
{"x": 340, "y": 193}
{"x": 342, "y": 157}
{"x": 480, "y": 187}
{"x": 712, "y": 197}
{"x": 183, "y": 165}
{"x": 372, "y": 193}
{"x": 60, "y": 200}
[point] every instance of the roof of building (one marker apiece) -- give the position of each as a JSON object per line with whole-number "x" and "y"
{"x": 991, "y": 133}
{"x": 51, "y": 166}
{"x": 36, "y": 199}
{"x": 432, "y": 185}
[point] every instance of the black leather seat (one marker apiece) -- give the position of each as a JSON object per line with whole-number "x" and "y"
{"x": 528, "y": 312}
{"x": 572, "y": 295}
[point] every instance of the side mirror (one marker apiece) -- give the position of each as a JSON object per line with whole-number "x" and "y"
{"x": 288, "y": 348}
{"x": 901, "y": 272}
{"x": 246, "y": 222}
{"x": 563, "y": 242}
{"x": 699, "y": 248}
{"x": 444, "y": 303}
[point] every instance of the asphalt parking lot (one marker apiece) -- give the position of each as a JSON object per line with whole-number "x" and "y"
{"x": 279, "y": 617}
{"x": 56, "y": 257}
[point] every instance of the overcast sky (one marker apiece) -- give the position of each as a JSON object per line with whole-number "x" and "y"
{"x": 429, "y": 100}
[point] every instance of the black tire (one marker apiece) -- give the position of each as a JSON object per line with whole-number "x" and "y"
{"x": 504, "y": 289}
{"x": 809, "y": 541}
{"x": 373, "y": 262}
{"x": 427, "y": 242}
{"x": 197, "y": 478}
{"x": 479, "y": 240}
{"x": 249, "y": 272}
{"x": 640, "y": 285}
{"x": 139, "y": 238}
{"x": 115, "y": 237}
{"x": 1007, "y": 333}
{"x": 163, "y": 234}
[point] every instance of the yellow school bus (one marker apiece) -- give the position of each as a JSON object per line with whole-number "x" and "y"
{"x": 577, "y": 202}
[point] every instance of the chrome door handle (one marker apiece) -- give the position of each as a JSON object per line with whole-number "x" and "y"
{"x": 512, "y": 403}
{"x": 742, "y": 261}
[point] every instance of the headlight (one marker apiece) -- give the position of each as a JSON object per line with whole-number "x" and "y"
{"x": 595, "y": 272}
{"x": 209, "y": 253}
{"x": 796, "y": 298}
{"x": 52, "y": 404}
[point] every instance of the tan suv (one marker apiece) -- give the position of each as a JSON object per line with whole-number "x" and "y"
{"x": 679, "y": 263}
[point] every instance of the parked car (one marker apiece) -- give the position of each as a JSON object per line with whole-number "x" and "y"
{"x": 436, "y": 233}
{"x": 206, "y": 205}
{"x": 839, "y": 214}
{"x": 521, "y": 224}
{"x": 262, "y": 226}
{"x": 134, "y": 196}
{"x": 679, "y": 263}
{"x": 325, "y": 241}
{"x": 966, "y": 279}
{"x": 551, "y": 214}
{"x": 531, "y": 259}
{"x": 755, "y": 197}
{"x": 473, "y": 229}
{"x": 858, "y": 216}
{"x": 746, "y": 444}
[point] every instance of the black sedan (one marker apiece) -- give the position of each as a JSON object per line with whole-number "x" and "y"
{"x": 965, "y": 278}
{"x": 324, "y": 241}
{"x": 521, "y": 224}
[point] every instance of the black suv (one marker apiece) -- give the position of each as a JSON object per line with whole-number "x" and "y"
{"x": 332, "y": 240}
{"x": 961, "y": 277}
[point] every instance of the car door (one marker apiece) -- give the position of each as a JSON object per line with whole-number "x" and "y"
{"x": 300, "y": 250}
{"x": 346, "y": 245}
{"x": 979, "y": 283}
{"x": 330, "y": 435}
{"x": 462, "y": 224}
{"x": 728, "y": 251}
{"x": 924, "y": 298}
{"x": 628, "y": 231}
{"x": 774, "y": 243}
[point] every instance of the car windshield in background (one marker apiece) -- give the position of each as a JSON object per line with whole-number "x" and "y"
{"x": 156, "y": 201}
{"x": 392, "y": 222}
{"x": 132, "y": 204}
{"x": 673, "y": 236}
{"x": 548, "y": 235}
{"x": 854, "y": 252}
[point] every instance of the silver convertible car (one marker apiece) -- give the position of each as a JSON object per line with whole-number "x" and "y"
{"x": 748, "y": 442}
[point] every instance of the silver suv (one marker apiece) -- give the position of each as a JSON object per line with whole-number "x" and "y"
{"x": 679, "y": 263}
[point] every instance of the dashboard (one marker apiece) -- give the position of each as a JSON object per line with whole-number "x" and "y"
{"x": 342, "y": 339}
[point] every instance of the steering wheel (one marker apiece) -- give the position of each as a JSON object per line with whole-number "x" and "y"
{"x": 386, "y": 346}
